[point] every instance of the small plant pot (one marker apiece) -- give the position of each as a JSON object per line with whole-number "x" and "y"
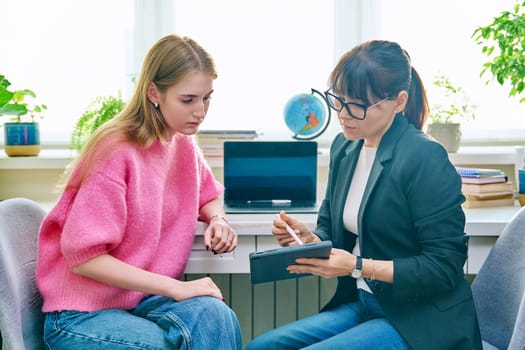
{"x": 22, "y": 139}
{"x": 448, "y": 134}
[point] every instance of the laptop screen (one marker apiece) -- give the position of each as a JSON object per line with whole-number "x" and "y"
{"x": 270, "y": 172}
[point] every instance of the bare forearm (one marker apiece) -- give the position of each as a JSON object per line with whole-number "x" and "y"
{"x": 211, "y": 210}
{"x": 114, "y": 272}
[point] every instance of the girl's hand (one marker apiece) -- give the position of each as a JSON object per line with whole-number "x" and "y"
{"x": 219, "y": 236}
{"x": 183, "y": 290}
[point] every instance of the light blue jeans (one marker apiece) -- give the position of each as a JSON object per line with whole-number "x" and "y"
{"x": 157, "y": 323}
{"x": 357, "y": 325}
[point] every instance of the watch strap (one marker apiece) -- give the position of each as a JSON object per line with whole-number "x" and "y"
{"x": 356, "y": 273}
{"x": 359, "y": 263}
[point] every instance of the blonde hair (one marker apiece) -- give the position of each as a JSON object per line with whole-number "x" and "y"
{"x": 168, "y": 61}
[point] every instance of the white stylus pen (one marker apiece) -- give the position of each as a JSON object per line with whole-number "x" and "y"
{"x": 291, "y": 232}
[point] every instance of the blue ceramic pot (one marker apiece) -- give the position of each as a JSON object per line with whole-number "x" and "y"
{"x": 22, "y": 139}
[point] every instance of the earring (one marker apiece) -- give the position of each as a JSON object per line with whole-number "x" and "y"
{"x": 156, "y": 105}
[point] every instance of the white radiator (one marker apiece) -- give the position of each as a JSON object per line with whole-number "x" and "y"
{"x": 264, "y": 306}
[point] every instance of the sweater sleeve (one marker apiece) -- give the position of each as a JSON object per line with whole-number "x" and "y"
{"x": 96, "y": 220}
{"x": 210, "y": 188}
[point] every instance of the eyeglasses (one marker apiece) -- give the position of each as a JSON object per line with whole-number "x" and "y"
{"x": 355, "y": 110}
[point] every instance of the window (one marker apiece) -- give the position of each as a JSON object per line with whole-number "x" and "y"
{"x": 67, "y": 52}
{"x": 70, "y": 52}
{"x": 265, "y": 52}
{"x": 437, "y": 35}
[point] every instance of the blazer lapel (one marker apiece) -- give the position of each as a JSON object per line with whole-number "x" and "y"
{"x": 344, "y": 177}
{"x": 384, "y": 154}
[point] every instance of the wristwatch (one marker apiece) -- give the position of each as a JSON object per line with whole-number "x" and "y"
{"x": 356, "y": 273}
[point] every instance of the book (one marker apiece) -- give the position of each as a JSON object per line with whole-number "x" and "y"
{"x": 502, "y": 202}
{"x": 484, "y": 179}
{"x": 478, "y": 172}
{"x": 211, "y": 142}
{"x": 214, "y": 135}
{"x": 488, "y": 196}
{"x": 487, "y": 187}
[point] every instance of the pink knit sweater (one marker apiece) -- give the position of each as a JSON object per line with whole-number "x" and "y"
{"x": 140, "y": 206}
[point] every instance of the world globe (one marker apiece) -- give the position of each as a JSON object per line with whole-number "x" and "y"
{"x": 306, "y": 115}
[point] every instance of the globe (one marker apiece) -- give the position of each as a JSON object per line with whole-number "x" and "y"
{"x": 306, "y": 115}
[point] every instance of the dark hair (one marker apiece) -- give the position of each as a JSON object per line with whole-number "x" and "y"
{"x": 381, "y": 69}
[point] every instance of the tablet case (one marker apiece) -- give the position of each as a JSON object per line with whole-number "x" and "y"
{"x": 270, "y": 265}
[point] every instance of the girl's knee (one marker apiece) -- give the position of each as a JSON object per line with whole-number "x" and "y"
{"x": 218, "y": 308}
{"x": 213, "y": 309}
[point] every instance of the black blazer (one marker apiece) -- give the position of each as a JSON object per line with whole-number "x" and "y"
{"x": 410, "y": 213}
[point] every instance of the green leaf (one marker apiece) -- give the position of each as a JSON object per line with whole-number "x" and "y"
{"x": 13, "y": 109}
{"x": 507, "y": 33}
{"x": 99, "y": 111}
{"x": 5, "y": 96}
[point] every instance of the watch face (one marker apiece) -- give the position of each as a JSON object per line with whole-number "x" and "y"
{"x": 356, "y": 274}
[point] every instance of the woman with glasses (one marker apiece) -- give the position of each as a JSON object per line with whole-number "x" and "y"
{"x": 393, "y": 212}
{"x": 113, "y": 250}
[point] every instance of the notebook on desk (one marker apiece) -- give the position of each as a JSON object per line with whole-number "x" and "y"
{"x": 269, "y": 176}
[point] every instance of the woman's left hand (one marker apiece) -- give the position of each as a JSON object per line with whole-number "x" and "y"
{"x": 339, "y": 263}
{"x": 219, "y": 237}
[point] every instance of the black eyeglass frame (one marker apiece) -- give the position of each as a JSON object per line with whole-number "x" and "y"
{"x": 329, "y": 96}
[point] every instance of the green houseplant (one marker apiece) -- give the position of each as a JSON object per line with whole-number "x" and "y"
{"x": 502, "y": 41}
{"x": 100, "y": 110}
{"x": 451, "y": 107}
{"x": 21, "y": 130}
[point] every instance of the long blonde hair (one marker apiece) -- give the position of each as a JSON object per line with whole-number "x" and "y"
{"x": 168, "y": 61}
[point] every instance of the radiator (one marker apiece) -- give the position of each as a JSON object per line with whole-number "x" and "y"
{"x": 264, "y": 306}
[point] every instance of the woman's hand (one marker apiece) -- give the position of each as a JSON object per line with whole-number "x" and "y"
{"x": 219, "y": 236}
{"x": 339, "y": 263}
{"x": 284, "y": 238}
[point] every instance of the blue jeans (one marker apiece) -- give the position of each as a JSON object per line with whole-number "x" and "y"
{"x": 157, "y": 323}
{"x": 357, "y": 325}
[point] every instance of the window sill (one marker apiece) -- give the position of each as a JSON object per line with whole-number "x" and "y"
{"x": 489, "y": 155}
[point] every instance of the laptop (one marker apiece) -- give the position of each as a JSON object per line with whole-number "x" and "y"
{"x": 269, "y": 176}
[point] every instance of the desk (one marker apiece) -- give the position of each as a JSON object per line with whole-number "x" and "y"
{"x": 264, "y": 306}
{"x": 35, "y": 178}
{"x": 483, "y": 226}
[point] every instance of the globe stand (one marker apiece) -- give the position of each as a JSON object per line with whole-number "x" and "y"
{"x": 328, "y": 114}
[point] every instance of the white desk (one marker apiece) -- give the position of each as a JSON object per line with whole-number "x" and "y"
{"x": 483, "y": 226}
{"x": 35, "y": 178}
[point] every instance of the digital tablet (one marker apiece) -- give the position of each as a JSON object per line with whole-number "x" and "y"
{"x": 270, "y": 265}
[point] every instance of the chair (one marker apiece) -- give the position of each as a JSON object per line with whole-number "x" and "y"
{"x": 499, "y": 289}
{"x": 21, "y": 319}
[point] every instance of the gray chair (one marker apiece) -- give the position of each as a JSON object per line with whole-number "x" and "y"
{"x": 499, "y": 289}
{"x": 21, "y": 319}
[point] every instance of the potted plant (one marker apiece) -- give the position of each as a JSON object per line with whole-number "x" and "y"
{"x": 21, "y": 131}
{"x": 451, "y": 106}
{"x": 502, "y": 42}
{"x": 100, "y": 110}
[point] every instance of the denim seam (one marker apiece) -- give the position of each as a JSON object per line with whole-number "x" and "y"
{"x": 83, "y": 336}
{"x": 173, "y": 319}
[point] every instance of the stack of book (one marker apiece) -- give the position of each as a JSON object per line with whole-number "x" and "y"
{"x": 485, "y": 188}
{"x": 211, "y": 142}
